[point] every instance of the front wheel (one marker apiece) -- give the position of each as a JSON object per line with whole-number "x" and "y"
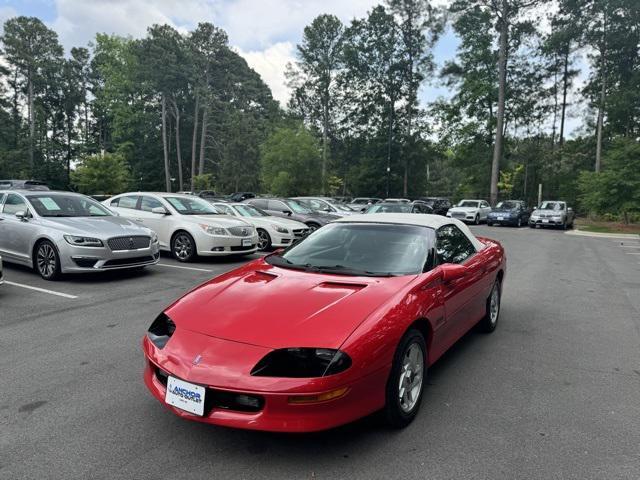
{"x": 183, "y": 247}
{"x": 476, "y": 221}
{"x": 47, "y": 261}
{"x": 264, "y": 240}
{"x": 406, "y": 380}
{"x": 519, "y": 222}
{"x": 489, "y": 224}
{"x": 313, "y": 227}
{"x": 490, "y": 320}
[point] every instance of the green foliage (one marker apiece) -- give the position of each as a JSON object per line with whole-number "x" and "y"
{"x": 291, "y": 162}
{"x": 203, "y": 182}
{"x": 617, "y": 187}
{"x": 99, "y": 174}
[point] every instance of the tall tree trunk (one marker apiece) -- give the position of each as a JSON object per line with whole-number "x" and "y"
{"x": 601, "y": 102}
{"x": 555, "y": 101}
{"x": 203, "y": 139}
{"x": 194, "y": 142}
{"x": 389, "y": 142}
{"x": 15, "y": 112}
{"x": 32, "y": 120}
{"x": 325, "y": 141}
{"x": 565, "y": 86}
{"x": 176, "y": 114}
{"x": 502, "y": 73}
{"x": 69, "y": 131}
{"x": 167, "y": 175}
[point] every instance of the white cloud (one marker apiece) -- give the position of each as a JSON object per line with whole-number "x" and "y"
{"x": 270, "y": 63}
{"x": 5, "y": 14}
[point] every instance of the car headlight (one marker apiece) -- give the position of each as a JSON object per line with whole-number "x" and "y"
{"x": 302, "y": 363}
{"x": 280, "y": 229}
{"x": 214, "y": 230}
{"x": 154, "y": 237}
{"x": 161, "y": 330}
{"x": 78, "y": 241}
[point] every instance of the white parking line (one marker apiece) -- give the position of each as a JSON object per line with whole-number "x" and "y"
{"x": 632, "y": 253}
{"x": 630, "y": 246}
{"x": 43, "y": 290}
{"x": 184, "y": 268}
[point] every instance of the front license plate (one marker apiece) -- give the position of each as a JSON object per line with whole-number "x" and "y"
{"x": 246, "y": 242}
{"x": 545, "y": 221}
{"x": 500, "y": 218}
{"x": 185, "y": 396}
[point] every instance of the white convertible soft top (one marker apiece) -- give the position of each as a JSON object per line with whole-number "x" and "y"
{"x": 419, "y": 219}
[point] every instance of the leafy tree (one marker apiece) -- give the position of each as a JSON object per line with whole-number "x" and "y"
{"x": 102, "y": 174}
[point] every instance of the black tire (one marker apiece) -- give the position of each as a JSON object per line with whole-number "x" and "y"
{"x": 264, "y": 240}
{"x": 490, "y": 320}
{"x": 46, "y": 260}
{"x": 397, "y": 415}
{"x": 532, "y": 225}
{"x": 183, "y": 247}
{"x": 476, "y": 221}
{"x": 519, "y": 222}
{"x": 313, "y": 226}
{"x": 489, "y": 224}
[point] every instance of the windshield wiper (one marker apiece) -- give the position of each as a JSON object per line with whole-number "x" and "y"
{"x": 342, "y": 270}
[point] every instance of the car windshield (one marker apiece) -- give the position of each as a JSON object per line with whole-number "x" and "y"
{"x": 250, "y": 211}
{"x": 67, "y": 206}
{"x": 361, "y": 201}
{"x": 552, "y": 206}
{"x": 297, "y": 207}
{"x": 192, "y": 206}
{"x": 507, "y": 205}
{"x": 342, "y": 207}
{"x": 390, "y": 208}
{"x": 468, "y": 204}
{"x": 370, "y": 249}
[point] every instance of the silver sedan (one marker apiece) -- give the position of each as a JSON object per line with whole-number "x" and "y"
{"x": 62, "y": 232}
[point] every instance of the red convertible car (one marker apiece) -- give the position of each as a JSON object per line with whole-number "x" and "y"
{"x": 335, "y": 327}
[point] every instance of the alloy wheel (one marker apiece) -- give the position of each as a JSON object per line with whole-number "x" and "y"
{"x": 46, "y": 260}
{"x": 410, "y": 384}
{"x": 263, "y": 240}
{"x": 182, "y": 247}
{"x": 494, "y": 305}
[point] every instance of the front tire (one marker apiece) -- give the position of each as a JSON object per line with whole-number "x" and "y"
{"x": 406, "y": 380}
{"x": 490, "y": 321}
{"x": 476, "y": 221}
{"x": 183, "y": 247}
{"x": 313, "y": 227}
{"x": 519, "y": 222}
{"x": 264, "y": 240}
{"x": 47, "y": 261}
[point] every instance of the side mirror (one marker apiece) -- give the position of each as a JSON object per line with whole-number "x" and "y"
{"x": 327, "y": 209}
{"x": 288, "y": 212}
{"x": 22, "y": 215}
{"x": 159, "y": 210}
{"x": 452, "y": 271}
{"x": 569, "y": 209}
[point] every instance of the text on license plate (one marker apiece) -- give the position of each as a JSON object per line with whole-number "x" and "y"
{"x": 545, "y": 221}
{"x": 246, "y": 242}
{"x": 185, "y": 396}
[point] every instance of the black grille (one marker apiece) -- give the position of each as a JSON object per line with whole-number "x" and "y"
{"x": 300, "y": 232}
{"x": 241, "y": 231}
{"x": 128, "y": 261}
{"x": 129, "y": 243}
{"x": 242, "y": 248}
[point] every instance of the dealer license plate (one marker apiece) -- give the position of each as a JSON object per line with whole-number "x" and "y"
{"x": 246, "y": 242}
{"x": 185, "y": 396}
{"x": 500, "y": 218}
{"x": 545, "y": 221}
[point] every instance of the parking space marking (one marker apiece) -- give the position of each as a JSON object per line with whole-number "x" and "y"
{"x": 43, "y": 290}
{"x": 630, "y": 246}
{"x": 632, "y": 253}
{"x": 184, "y": 268}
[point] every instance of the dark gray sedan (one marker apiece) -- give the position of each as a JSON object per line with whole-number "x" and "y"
{"x": 288, "y": 208}
{"x": 60, "y": 232}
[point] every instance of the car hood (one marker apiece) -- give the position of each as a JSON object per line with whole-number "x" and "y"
{"x": 273, "y": 221}
{"x": 102, "y": 227}
{"x": 274, "y": 307}
{"x": 464, "y": 209}
{"x": 218, "y": 220}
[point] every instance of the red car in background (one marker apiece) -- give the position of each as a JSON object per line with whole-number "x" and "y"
{"x": 338, "y": 326}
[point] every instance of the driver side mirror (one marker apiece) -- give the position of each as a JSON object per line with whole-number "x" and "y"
{"x": 452, "y": 271}
{"x": 288, "y": 212}
{"x": 159, "y": 210}
{"x": 22, "y": 215}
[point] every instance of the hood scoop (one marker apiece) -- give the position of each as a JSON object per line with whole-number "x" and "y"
{"x": 353, "y": 287}
{"x": 259, "y": 277}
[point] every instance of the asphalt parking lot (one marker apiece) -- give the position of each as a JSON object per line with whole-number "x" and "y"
{"x": 554, "y": 393}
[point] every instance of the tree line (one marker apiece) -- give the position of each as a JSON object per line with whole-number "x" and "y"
{"x": 176, "y": 111}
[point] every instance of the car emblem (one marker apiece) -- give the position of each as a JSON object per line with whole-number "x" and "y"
{"x": 245, "y": 232}
{"x": 197, "y": 360}
{"x": 132, "y": 244}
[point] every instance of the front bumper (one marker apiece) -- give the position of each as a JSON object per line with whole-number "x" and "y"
{"x": 546, "y": 222}
{"x": 276, "y": 413}
{"x": 504, "y": 220}
{"x": 222, "y": 245}
{"x": 464, "y": 217}
{"x": 75, "y": 259}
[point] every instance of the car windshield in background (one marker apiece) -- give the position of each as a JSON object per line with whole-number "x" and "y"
{"x": 369, "y": 249}
{"x": 192, "y": 206}
{"x": 67, "y": 206}
{"x": 552, "y": 206}
{"x": 297, "y": 207}
{"x": 250, "y": 211}
{"x": 468, "y": 204}
{"x": 390, "y": 208}
{"x": 506, "y": 206}
{"x": 343, "y": 208}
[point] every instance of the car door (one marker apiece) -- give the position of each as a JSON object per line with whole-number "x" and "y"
{"x": 485, "y": 208}
{"x": 159, "y": 223}
{"x": 278, "y": 208}
{"x": 460, "y": 296}
{"x": 16, "y": 235}
{"x": 125, "y": 206}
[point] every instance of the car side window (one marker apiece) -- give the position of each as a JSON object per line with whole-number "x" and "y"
{"x": 125, "y": 202}
{"x": 484, "y": 204}
{"x": 224, "y": 209}
{"x": 278, "y": 206}
{"x": 259, "y": 202}
{"x": 148, "y": 204}
{"x": 14, "y": 204}
{"x": 453, "y": 246}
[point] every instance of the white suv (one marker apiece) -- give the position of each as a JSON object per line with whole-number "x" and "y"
{"x": 470, "y": 211}
{"x": 186, "y": 225}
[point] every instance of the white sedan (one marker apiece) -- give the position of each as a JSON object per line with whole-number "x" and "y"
{"x": 187, "y": 226}
{"x": 273, "y": 232}
{"x": 470, "y": 211}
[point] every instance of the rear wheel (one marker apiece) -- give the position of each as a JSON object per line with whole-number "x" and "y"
{"x": 264, "y": 240}
{"x": 476, "y": 221}
{"x": 489, "y": 224}
{"x": 313, "y": 227}
{"x": 406, "y": 380}
{"x": 490, "y": 320}
{"x": 183, "y": 247}
{"x": 47, "y": 262}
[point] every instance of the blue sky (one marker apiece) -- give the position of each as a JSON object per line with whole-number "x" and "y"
{"x": 265, "y": 32}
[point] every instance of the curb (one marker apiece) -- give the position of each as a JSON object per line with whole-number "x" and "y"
{"x": 580, "y": 233}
